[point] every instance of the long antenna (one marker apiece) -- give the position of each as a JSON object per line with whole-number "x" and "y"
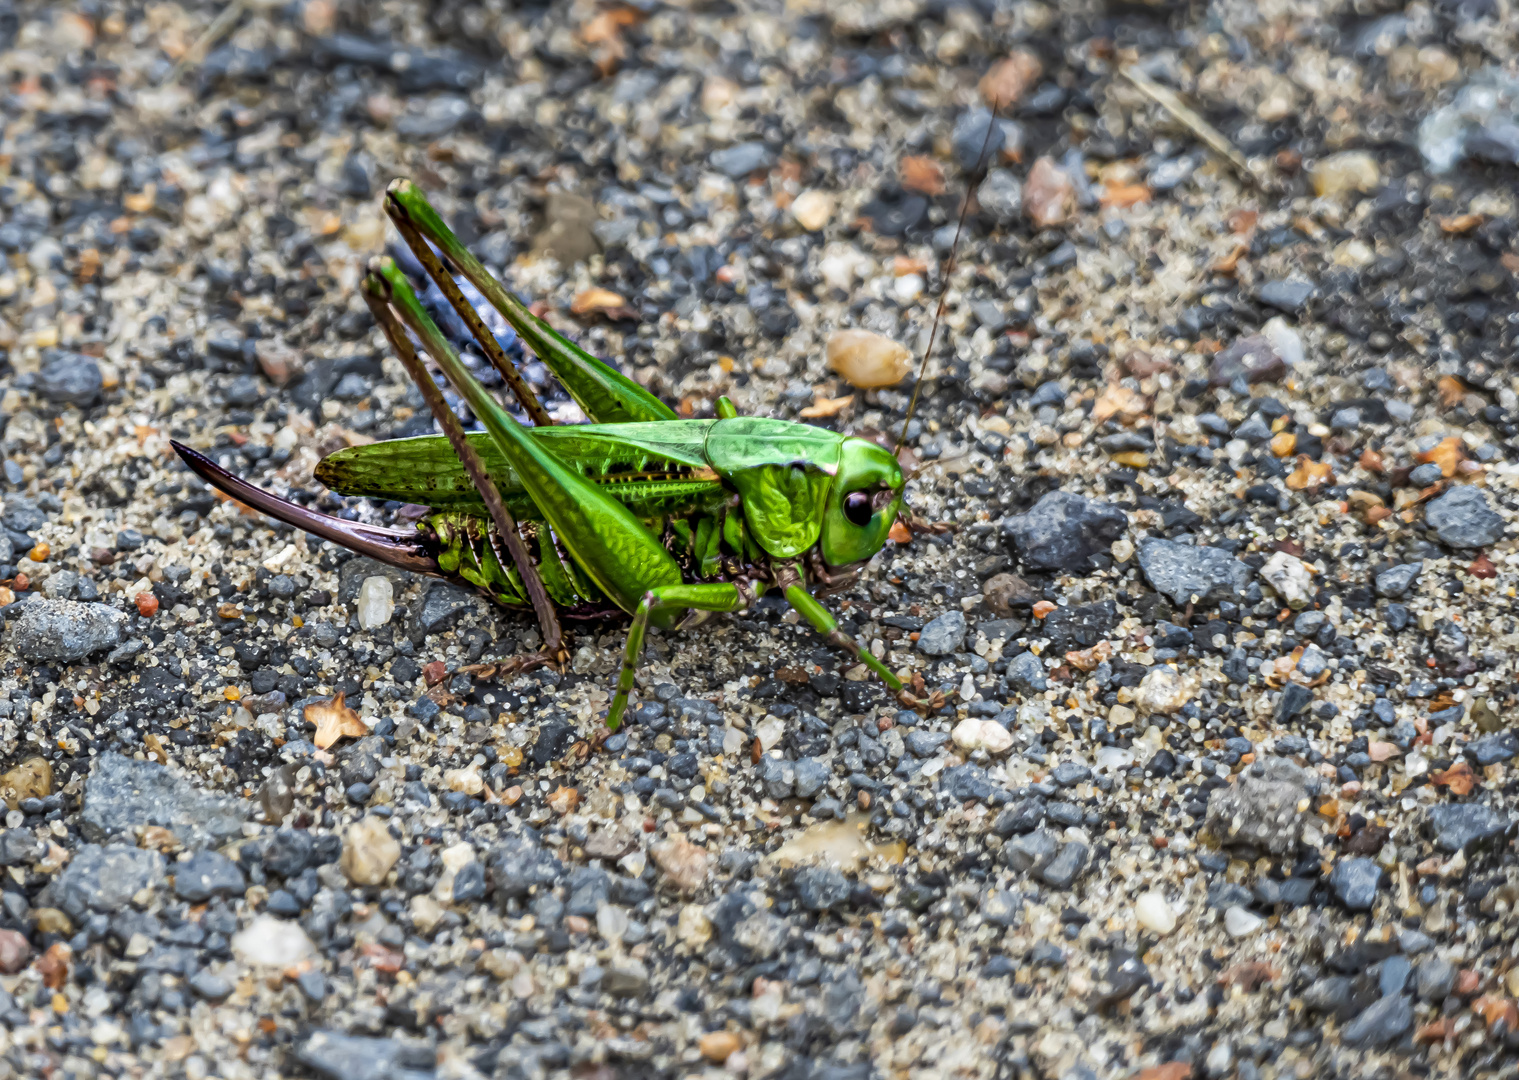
{"x": 949, "y": 269}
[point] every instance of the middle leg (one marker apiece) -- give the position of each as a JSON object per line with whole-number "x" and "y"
{"x": 716, "y": 596}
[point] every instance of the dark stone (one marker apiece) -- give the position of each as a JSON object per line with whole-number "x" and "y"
{"x": 1457, "y": 826}
{"x": 1068, "y": 864}
{"x": 1462, "y": 518}
{"x": 1183, "y": 573}
{"x": 206, "y": 874}
{"x": 1382, "y": 1023}
{"x": 104, "y": 879}
{"x": 554, "y": 738}
{"x": 1063, "y": 531}
{"x": 1355, "y": 882}
{"x": 1289, "y": 295}
{"x": 63, "y": 630}
{"x": 123, "y": 794}
{"x": 71, "y": 379}
{"x": 518, "y": 864}
{"x": 1261, "y": 809}
{"x": 822, "y": 888}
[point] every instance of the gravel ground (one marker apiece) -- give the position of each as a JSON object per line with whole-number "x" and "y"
{"x": 1225, "y": 622}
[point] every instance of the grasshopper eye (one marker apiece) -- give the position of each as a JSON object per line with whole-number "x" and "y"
{"x": 857, "y": 508}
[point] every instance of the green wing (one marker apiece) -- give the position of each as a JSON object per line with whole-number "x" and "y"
{"x": 653, "y": 469}
{"x": 782, "y": 472}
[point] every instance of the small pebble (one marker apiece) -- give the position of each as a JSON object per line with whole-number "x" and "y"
{"x": 867, "y": 359}
{"x": 1153, "y": 912}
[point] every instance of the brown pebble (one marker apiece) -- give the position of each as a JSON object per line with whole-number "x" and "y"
{"x": 15, "y": 951}
{"x": 1049, "y": 196}
{"x": 718, "y": 1046}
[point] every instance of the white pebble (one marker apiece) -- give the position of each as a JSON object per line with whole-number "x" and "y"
{"x": 1153, "y": 912}
{"x": 1241, "y": 923}
{"x": 377, "y": 602}
{"x": 770, "y": 731}
{"x": 611, "y": 921}
{"x": 972, "y": 734}
{"x": 908, "y": 287}
{"x": 812, "y": 209}
{"x": 1289, "y": 576}
{"x": 272, "y": 942}
{"x": 1163, "y": 690}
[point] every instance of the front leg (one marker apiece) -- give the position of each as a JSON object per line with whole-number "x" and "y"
{"x": 822, "y": 620}
{"x": 719, "y": 596}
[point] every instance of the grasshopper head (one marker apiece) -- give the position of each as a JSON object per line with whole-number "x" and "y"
{"x": 862, "y": 504}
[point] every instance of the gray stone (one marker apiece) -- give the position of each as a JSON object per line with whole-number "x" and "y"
{"x": 71, "y": 379}
{"x": 206, "y": 874}
{"x": 944, "y": 636}
{"x": 518, "y": 864}
{"x": 1253, "y": 430}
{"x": 1395, "y": 581}
{"x": 967, "y": 782}
{"x": 1434, "y": 979}
{"x": 1347, "y": 420}
{"x": 1030, "y": 851}
{"x": 64, "y": 630}
{"x": 1070, "y": 773}
{"x": 811, "y": 777}
{"x": 104, "y": 879}
{"x": 925, "y": 744}
{"x": 1330, "y": 995}
{"x": 1462, "y": 518}
{"x": 1289, "y": 294}
{"x": 1491, "y": 749}
{"x": 1457, "y": 826}
{"x": 1183, "y": 573}
{"x": 1024, "y": 817}
{"x": 1253, "y": 359}
{"x": 209, "y": 985}
{"x": 761, "y": 934}
{"x": 19, "y": 847}
{"x": 1063, "y": 531}
{"x": 434, "y": 119}
{"x": 1382, "y": 1023}
{"x": 1294, "y": 699}
{"x": 1355, "y": 882}
{"x": 822, "y": 888}
{"x": 741, "y": 160}
{"x": 1026, "y": 671}
{"x": 337, "y": 1056}
{"x": 1001, "y": 907}
{"x": 23, "y": 514}
{"x": 1001, "y": 196}
{"x": 1261, "y": 809}
{"x": 1169, "y": 175}
{"x": 244, "y": 392}
{"x": 776, "y": 775}
{"x": 971, "y": 137}
{"x": 352, "y": 573}
{"x": 1423, "y": 476}
{"x": 122, "y": 795}
{"x": 441, "y": 603}
{"x": 1393, "y": 976}
{"x": 626, "y": 978}
{"x": 1062, "y": 871}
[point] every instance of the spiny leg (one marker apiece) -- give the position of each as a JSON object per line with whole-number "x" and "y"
{"x": 487, "y": 341}
{"x": 377, "y": 294}
{"x": 718, "y": 596}
{"x": 822, "y": 620}
{"x": 605, "y": 539}
{"x": 607, "y": 396}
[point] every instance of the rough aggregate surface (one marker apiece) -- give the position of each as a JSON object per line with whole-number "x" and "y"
{"x": 1225, "y": 625}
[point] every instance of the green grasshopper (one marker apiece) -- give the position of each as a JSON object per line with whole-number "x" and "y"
{"x": 664, "y": 519}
